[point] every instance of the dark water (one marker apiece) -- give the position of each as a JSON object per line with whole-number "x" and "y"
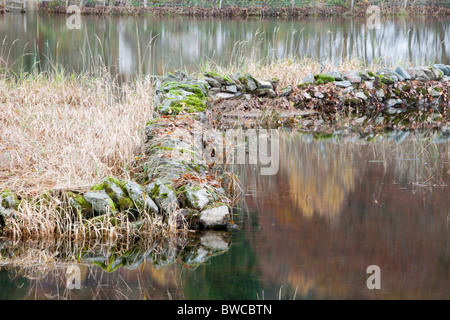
{"x": 308, "y": 232}
{"x": 154, "y": 45}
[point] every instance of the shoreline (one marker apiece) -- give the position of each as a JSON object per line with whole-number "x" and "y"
{"x": 359, "y": 10}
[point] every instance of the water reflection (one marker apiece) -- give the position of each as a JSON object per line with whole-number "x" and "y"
{"x": 156, "y": 45}
{"x": 310, "y": 232}
{"x": 336, "y": 208}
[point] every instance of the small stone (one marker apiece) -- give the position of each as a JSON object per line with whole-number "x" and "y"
{"x": 231, "y": 89}
{"x": 224, "y": 95}
{"x": 318, "y": 95}
{"x": 437, "y": 73}
{"x": 337, "y": 75}
{"x": 369, "y": 85}
{"x": 391, "y": 111}
{"x": 309, "y": 78}
{"x": 445, "y": 69}
{"x": 349, "y": 89}
{"x": 342, "y": 84}
{"x": 353, "y": 76}
{"x": 390, "y": 74}
{"x": 366, "y": 75}
{"x": 360, "y": 120}
{"x": 380, "y": 94}
{"x": 420, "y": 75}
{"x": 286, "y": 91}
{"x": 265, "y": 85}
{"x": 412, "y": 73}
{"x": 212, "y": 82}
{"x": 393, "y": 102}
{"x": 429, "y": 73}
{"x": 361, "y": 95}
{"x": 435, "y": 93}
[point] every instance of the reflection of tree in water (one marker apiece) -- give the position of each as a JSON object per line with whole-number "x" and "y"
{"x": 320, "y": 176}
{"x": 381, "y": 217}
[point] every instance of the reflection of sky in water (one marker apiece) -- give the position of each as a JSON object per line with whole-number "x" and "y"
{"x": 179, "y": 43}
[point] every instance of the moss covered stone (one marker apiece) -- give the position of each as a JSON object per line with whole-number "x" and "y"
{"x": 100, "y": 201}
{"x": 113, "y": 187}
{"x": 9, "y": 200}
{"x": 164, "y": 196}
{"x": 325, "y": 78}
{"x": 79, "y": 205}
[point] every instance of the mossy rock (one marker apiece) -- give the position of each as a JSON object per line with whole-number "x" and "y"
{"x": 113, "y": 187}
{"x": 173, "y": 86}
{"x": 164, "y": 196}
{"x": 101, "y": 203}
{"x": 197, "y": 198}
{"x": 325, "y": 78}
{"x": 188, "y": 104}
{"x": 140, "y": 198}
{"x": 79, "y": 205}
{"x": 9, "y": 200}
{"x": 385, "y": 80}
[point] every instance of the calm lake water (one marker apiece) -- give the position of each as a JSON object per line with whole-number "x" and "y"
{"x": 157, "y": 45}
{"x": 311, "y": 231}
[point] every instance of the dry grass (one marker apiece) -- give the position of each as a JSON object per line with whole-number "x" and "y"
{"x": 59, "y": 131}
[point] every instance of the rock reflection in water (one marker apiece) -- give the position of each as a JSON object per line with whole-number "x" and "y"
{"x": 140, "y": 271}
